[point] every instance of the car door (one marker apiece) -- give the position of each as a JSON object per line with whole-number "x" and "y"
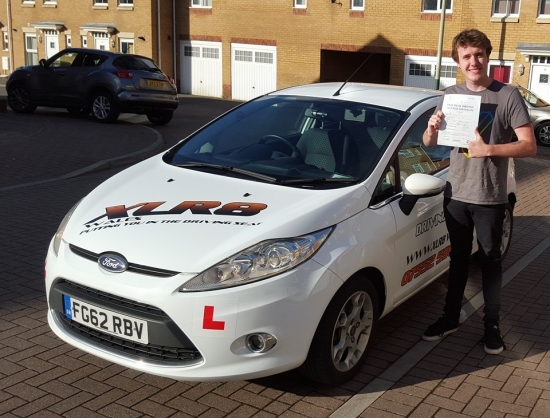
{"x": 56, "y": 82}
{"x": 421, "y": 241}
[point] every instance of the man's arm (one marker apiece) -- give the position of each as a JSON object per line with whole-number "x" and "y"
{"x": 525, "y": 146}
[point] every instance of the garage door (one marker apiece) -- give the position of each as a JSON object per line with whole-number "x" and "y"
{"x": 201, "y": 68}
{"x": 253, "y": 70}
{"x": 420, "y": 72}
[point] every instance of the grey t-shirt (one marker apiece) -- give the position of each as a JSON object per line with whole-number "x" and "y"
{"x": 483, "y": 180}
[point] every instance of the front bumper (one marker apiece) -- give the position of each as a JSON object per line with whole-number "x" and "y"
{"x": 288, "y": 306}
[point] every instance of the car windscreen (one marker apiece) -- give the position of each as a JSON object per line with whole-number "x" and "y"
{"x": 293, "y": 140}
{"x": 532, "y": 98}
{"x": 135, "y": 63}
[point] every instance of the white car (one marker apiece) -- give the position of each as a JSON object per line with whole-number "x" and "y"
{"x": 273, "y": 238}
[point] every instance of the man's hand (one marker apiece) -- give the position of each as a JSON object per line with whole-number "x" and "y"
{"x": 430, "y": 134}
{"x": 478, "y": 148}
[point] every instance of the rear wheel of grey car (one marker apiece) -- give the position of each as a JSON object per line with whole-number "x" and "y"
{"x": 104, "y": 107}
{"x": 19, "y": 99}
{"x": 160, "y": 118}
{"x": 542, "y": 133}
{"x": 344, "y": 335}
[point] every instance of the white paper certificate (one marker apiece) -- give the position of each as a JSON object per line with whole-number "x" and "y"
{"x": 461, "y": 118}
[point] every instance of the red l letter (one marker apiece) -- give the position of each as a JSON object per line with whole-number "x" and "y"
{"x": 208, "y": 320}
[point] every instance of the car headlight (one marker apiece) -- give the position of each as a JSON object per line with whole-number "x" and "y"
{"x": 263, "y": 260}
{"x": 61, "y": 229}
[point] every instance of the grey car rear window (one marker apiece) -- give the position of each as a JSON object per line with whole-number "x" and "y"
{"x": 135, "y": 63}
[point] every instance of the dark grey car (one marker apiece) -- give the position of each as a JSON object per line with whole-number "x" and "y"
{"x": 89, "y": 80}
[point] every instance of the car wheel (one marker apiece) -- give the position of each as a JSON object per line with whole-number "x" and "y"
{"x": 344, "y": 335}
{"x": 104, "y": 108}
{"x": 78, "y": 111}
{"x": 507, "y": 230}
{"x": 19, "y": 99}
{"x": 160, "y": 118}
{"x": 542, "y": 133}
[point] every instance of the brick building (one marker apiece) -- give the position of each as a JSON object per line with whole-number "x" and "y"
{"x": 241, "y": 49}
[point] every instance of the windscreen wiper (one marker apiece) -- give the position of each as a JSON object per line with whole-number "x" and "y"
{"x": 227, "y": 168}
{"x": 317, "y": 180}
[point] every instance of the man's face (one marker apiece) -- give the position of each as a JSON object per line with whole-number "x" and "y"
{"x": 473, "y": 62}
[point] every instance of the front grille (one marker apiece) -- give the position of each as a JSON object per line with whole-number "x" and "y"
{"x": 168, "y": 344}
{"x": 133, "y": 267}
{"x": 157, "y": 353}
{"x": 107, "y": 297}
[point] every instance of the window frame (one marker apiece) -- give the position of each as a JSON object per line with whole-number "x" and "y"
{"x": 542, "y": 5}
{"x": 202, "y": 4}
{"x": 101, "y": 2}
{"x": 31, "y": 52}
{"x": 300, "y": 6}
{"x": 448, "y": 7}
{"x": 125, "y": 3}
{"x": 507, "y": 14}
{"x": 5, "y": 41}
{"x": 358, "y": 8}
{"x": 128, "y": 41}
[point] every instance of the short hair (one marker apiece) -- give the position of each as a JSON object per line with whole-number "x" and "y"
{"x": 471, "y": 37}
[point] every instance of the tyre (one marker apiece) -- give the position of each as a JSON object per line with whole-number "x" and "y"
{"x": 19, "y": 99}
{"x": 344, "y": 335}
{"x": 104, "y": 107}
{"x": 507, "y": 230}
{"x": 160, "y": 118}
{"x": 542, "y": 133}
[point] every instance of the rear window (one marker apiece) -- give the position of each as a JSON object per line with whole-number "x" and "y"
{"x": 129, "y": 62}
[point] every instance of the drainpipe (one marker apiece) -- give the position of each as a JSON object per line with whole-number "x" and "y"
{"x": 174, "y": 41}
{"x": 158, "y": 33}
{"x": 10, "y": 35}
{"x": 440, "y": 45}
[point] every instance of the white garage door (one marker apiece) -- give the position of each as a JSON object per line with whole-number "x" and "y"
{"x": 540, "y": 77}
{"x": 420, "y": 72}
{"x": 253, "y": 70}
{"x": 201, "y": 68}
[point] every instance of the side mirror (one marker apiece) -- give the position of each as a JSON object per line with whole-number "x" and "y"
{"x": 417, "y": 186}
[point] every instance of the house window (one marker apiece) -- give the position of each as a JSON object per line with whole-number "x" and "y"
{"x": 506, "y": 7}
{"x": 423, "y": 70}
{"x": 544, "y": 8}
{"x": 264, "y": 57}
{"x": 50, "y": 2}
{"x": 31, "y": 51}
{"x": 101, "y": 2}
{"x": 213, "y": 53}
{"x": 201, "y": 3}
{"x": 300, "y": 4}
{"x": 448, "y": 71}
{"x": 540, "y": 60}
{"x": 5, "y": 41}
{"x": 357, "y": 4}
{"x": 28, "y": 1}
{"x": 84, "y": 41}
{"x": 125, "y": 2}
{"x": 434, "y": 6}
{"x": 191, "y": 51}
{"x": 244, "y": 56}
{"x": 69, "y": 41}
{"x": 126, "y": 46}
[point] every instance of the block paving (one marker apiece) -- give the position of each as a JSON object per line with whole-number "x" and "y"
{"x": 41, "y": 376}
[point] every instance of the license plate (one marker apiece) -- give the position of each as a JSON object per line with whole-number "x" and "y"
{"x": 155, "y": 83}
{"x": 103, "y": 320}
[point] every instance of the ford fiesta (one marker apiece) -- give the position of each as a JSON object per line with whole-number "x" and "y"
{"x": 273, "y": 238}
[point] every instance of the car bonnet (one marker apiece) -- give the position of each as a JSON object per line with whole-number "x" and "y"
{"x": 185, "y": 220}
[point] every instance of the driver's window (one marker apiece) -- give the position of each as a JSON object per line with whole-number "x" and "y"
{"x": 65, "y": 60}
{"x": 415, "y": 157}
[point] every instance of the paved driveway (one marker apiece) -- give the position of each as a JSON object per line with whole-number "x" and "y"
{"x": 404, "y": 376}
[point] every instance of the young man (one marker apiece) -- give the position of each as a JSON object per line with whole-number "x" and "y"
{"x": 476, "y": 184}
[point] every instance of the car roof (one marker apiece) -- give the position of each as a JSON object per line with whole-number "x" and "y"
{"x": 395, "y": 97}
{"x": 102, "y": 51}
